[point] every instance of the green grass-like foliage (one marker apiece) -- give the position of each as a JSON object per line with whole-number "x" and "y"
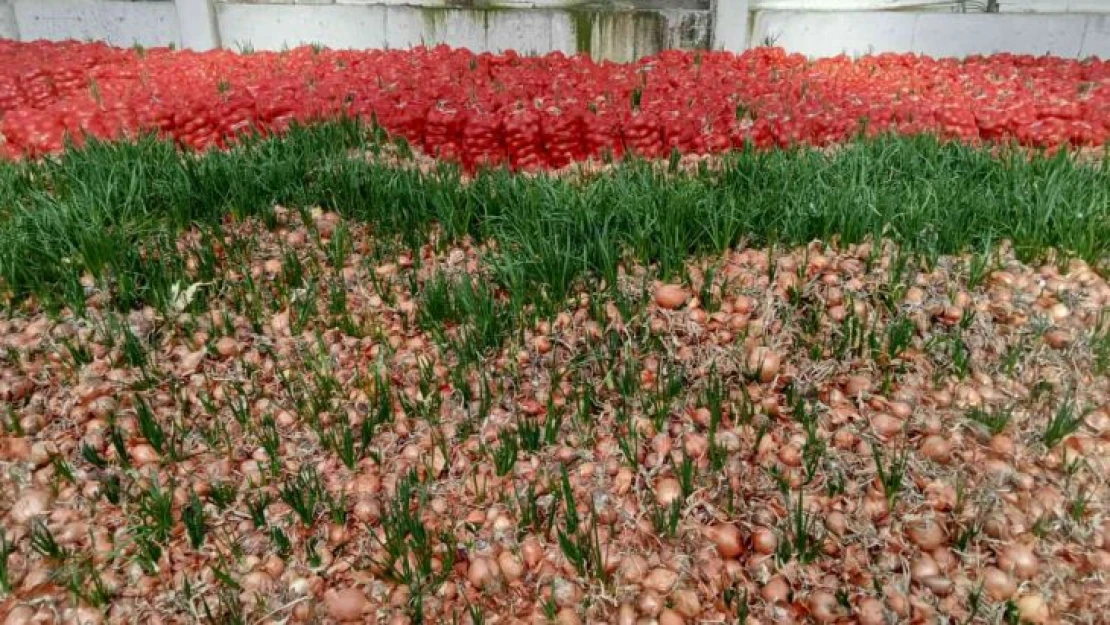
{"x": 114, "y": 209}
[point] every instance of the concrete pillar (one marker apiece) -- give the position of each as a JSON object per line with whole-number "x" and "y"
{"x": 731, "y": 25}
{"x": 197, "y": 20}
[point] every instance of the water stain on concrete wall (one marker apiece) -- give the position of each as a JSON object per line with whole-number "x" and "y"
{"x": 602, "y": 29}
{"x": 618, "y": 36}
{"x": 626, "y": 31}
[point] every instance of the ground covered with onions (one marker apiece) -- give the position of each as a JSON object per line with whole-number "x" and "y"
{"x": 292, "y": 383}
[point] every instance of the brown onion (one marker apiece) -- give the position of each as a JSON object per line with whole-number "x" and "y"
{"x": 670, "y": 617}
{"x": 998, "y": 584}
{"x": 143, "y": 454}
{"x": 31, "y": 503}
{"x": 870, "y": 612}
{"x": 776, "y": 590}
{"x": 633, "y": 568}
{"x": 346, "y": 605}
{"x": 567, "y": 616}
{"x": 1057, "y": 338}
{"x": 897, "y": 602}
{"x": 20, "y": 615}
{"x": 227, "y": 347}
{"x": 649, "y": 603}
{"x": 686, "y": 603}
{"x": 532, "y": 552}
{"x": 836, "y": 523}
{"x": 660, "y": 580}
{"x": 511, "y": 565}
{"x": 727, "y": 538}
{"x": 764, "y": 363}
{"x": 856, "y": 385}
{"x": 482, "y": 572}
{"x": 900, "y": 409}
{"x": 927, "y": 534}
{"x": 886, "y": 425}
{"x": 626, "y": 614}
{"x": 824, "y": 607}
{"x": 936, "y": 448}
{"x": 1020, "y": 560}
{"x": 671, "y": 296}
{"x": 1033, "y": 609}
{"x": 924, "y": 567}
{"x": 940, "y": 586}
{"x": 667, "y": 490}
{"x": 764, "y": 540}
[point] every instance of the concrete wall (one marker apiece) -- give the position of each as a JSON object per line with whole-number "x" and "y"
{"x": 620, "y": 35}
{"x": 8, "y": 27}
{"x": 949, "y": 6}
{"x": 619, "y": 30}
{"x": 272, "y": 27}
{"x": 935, "y": 34}
{"x": 119, "y": 22}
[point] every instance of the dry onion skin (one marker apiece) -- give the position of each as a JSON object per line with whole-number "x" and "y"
{"x": 800, "y": 435}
